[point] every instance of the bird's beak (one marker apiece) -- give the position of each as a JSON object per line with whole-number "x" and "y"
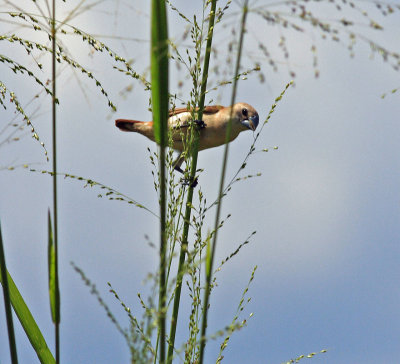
{"x": 251, "y": 122}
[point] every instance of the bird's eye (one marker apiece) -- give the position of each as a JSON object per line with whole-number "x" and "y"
{"x": 244, "y": 112}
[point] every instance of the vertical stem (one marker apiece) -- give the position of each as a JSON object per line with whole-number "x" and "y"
{"x": 57, "y": 301}
{"x": 163, "y": 249}
{"x": 159, "y": 93}
{"x": 211, "y": 254}
{"x": 195, "y": 148}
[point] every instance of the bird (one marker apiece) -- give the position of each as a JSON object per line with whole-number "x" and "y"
{"x": 212, "y": 127}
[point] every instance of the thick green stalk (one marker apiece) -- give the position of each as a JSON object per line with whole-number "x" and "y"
{"x": 159, "y": 93}
{"x": 163, "y": 249}
{"x": 55, "y": 208}
{"x": 211, "y": 252}
{"x": 193, "y": 167}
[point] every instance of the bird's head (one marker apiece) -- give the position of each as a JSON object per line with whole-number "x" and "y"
{"x": 245, "y": 115}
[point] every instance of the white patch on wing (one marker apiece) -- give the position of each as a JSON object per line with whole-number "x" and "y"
{"x": 180, "y": 119}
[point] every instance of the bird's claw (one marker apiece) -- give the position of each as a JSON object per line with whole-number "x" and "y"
{"x": 200, "y": 123}
{"x": 190, "y": 182}
{"x": 194, "y": 183}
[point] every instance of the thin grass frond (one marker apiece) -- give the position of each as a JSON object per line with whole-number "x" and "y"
{"x": 110, "y": 194}
{"x": 251, "y": 151}
{"x": 230, "y": 256}
{"x": 183, "y": 16}
{"x": 393, "y": 91}
{"x": 95, "y": 292}
{"x": 234, "y": 326}
{"x": 14, "y": 100}
{"x": 307, "y": 356}
{"x": 140, "y": 337}
{"x": 62, "y": 55}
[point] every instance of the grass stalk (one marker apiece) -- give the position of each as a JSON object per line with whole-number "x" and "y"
{"x": 55, "y": 208}
{"x": 163, "y": 252}
{"x": 159, "y": 79}
{"x": 193, "y": 167}
{"x": 7, "y": 304}
{"x": 211, "y": 252}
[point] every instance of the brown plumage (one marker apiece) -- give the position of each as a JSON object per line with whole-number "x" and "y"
{"x": 212, "y": 132}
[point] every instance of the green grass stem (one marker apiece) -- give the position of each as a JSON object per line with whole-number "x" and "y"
{"x": 193, "y": 167}
{"x": 55, "y": 208}
{"x": 211, "y": 251}
{"x": 159, "y": 92}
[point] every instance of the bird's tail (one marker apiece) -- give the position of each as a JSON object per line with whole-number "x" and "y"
{"x": 130, "y": 125}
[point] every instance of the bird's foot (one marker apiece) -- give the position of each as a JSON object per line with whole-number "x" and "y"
{"x": 200, "y": 123}
{"x": 192, "y": 182}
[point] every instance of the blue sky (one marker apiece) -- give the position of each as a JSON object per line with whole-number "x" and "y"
{"x": 326, "y": 208}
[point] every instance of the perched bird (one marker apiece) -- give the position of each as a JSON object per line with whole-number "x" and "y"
{"x": 212, "y": 127}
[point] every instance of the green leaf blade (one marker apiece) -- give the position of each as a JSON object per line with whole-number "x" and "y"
{"x": 7, "y": 303}
{"x": 28, "y": 323}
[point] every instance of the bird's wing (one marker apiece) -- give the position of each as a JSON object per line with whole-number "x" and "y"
{"x": 212, "y": 109}
{"x": 179, "y": 118}
{"x": 207, "y": 110}
{"x": 175, "y": 111}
